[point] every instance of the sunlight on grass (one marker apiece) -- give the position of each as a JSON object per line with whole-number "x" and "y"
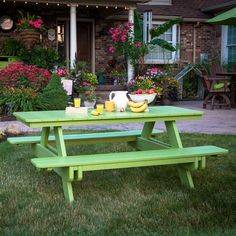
{"x": 138, "y": 201}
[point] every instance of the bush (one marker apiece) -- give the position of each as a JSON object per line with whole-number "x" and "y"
{"x": 20, "y": 99}
{"x": 13, "y": 47}
{"x": 19, "y": 75}
{"x": 42, "y": 57}
{"x": 54, "y": 97}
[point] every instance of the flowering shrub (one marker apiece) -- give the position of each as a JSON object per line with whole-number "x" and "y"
{"x": 20, "y": 99}
{"x": 155, "y": 80}
{"x": 30, "y": 22}
{"x": 62, "y": 72}
{"x": 125, "y": 44}
{"x": 19, "y": 75}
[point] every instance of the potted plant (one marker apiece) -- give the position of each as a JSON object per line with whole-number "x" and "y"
{"x": 87, "y": 89}
{"x": 29, "y": 26}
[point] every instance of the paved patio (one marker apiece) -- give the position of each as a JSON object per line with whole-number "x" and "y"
{"x": 217, "y": 121}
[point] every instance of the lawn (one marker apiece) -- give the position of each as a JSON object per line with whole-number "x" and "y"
{"x": 138, "y": 201}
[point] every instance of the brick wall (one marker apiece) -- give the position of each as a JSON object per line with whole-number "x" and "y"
{"x": 207, "y": 41}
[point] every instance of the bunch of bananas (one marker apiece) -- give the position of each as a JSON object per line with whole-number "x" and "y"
{"x": 138, "y": 106}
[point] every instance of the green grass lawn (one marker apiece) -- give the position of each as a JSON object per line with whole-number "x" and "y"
{"x": 138, "y": 201}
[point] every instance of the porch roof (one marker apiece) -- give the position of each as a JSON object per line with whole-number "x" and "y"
{"x": 115, "y": 3}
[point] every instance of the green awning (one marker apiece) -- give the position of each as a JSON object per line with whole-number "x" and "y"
{"x": 226, "y": 18}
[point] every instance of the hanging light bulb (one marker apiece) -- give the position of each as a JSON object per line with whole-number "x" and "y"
{"x": 58, "y": 4}
{"x": 106, "y": 7}
{"x": 115, "y": 7}
{"x": 47, "y": 3}
{"x": 87, "y": 6}
{"x": 36, "y": 3}
{"x": 96, "y": 6}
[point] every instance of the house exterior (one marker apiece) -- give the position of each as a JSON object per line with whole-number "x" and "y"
{"x": 197, "y": 39}
{"x": 81, "y": 28}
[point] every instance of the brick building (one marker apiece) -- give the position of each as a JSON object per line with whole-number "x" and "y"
{"x": 89, "y": 38}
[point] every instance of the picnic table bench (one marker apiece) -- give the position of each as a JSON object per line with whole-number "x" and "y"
{"x": 50, "y": 150}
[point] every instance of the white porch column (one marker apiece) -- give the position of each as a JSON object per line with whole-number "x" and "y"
{"x": 130, "y": 67}
{"x": 73, "y": 34}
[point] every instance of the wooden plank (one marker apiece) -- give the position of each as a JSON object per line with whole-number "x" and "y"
{"x": 138, "y": 156}
{"x": 129, "y": 135}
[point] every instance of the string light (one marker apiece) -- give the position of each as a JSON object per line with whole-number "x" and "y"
{"x": 58, "y": 4}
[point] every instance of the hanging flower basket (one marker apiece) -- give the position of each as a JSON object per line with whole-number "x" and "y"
{"x": 30, "y": 37}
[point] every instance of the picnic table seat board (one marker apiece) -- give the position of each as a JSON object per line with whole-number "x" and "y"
{"x": 88, "y": 138}
{"x": 191, "y": 158}
{"x": 150, "y": 151}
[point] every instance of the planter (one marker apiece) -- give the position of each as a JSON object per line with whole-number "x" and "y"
{"x": 30, "y": 37}
{"x": 89, "y": 104}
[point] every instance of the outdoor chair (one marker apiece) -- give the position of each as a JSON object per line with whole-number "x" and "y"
{"x": 217, "y": 89}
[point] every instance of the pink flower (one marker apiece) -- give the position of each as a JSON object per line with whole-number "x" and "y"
{"x": 154, "y": 70}
{"x": 138, "y": 44}
{"x": 111, "y": 49}
{"x": 87, "y": 92}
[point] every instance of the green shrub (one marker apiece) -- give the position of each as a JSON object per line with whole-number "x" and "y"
{"x": 13, "y": 47}
{"x": 54, "y": 97}
{"x": 20, "y": 99}
{"x": 42, "y": 57}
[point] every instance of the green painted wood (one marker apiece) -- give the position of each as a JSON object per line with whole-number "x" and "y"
{"x": 147, "y": 129}
{"x": 44, "y": 136}
{"x": 126, "y": 157}
{"x": 68, "y": 191}
{"x": 129, "y": 135}
{"x": 186, "y": 178}
{"x": 173, "y": 134}
{"x": 149, "y": 144}
{"x": 60, "y": 143}
{"x": 60, "y": 118}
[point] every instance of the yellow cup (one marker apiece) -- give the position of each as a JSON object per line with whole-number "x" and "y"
{"x": 110, "y": 106}
{"x": 77, "y": 102}
{"x": 100, "y": 108}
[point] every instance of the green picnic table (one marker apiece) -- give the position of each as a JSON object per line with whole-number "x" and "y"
{"x": 50, "y": 150}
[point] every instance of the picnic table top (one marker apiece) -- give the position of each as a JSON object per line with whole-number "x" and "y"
{"x": 154, "y": 113}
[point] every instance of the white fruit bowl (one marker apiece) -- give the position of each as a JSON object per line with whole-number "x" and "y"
{"x": 142, "y": 97}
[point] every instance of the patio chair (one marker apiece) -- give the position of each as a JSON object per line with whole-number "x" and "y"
{"x": 217, "y": 89}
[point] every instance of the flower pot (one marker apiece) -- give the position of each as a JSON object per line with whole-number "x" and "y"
{"x": 30, "y": 37}
{"x": 89, "y": 103}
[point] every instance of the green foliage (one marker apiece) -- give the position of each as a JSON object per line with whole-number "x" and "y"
{"x": 42, "y": 57}
{"x": 138, "y": 27}
{"x": 157, "y": 32}
{"x": 138, "y": 201}
{"x": 13, "y": 47}
{"x": 54, "y": 97}
{"x": 20, "y": 99}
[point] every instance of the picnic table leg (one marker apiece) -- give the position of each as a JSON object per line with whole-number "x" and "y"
{"x": 68, "y": 191}
{"x": 61, "y": 151}
{"x": 147, "y": 129}
{"x": 175, "y": 141}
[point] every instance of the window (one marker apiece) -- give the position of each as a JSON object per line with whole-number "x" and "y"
{"x": 159, "y": 55}
{"x": 228, "y": 54}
